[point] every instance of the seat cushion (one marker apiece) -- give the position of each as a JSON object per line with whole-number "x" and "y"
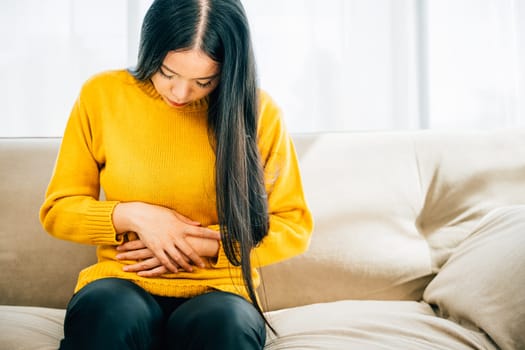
{"x": 481, "y": 285}
{"x": 29, "y": 328}
{"x": 337, "y": 325}
{"x": 369, "y": 325}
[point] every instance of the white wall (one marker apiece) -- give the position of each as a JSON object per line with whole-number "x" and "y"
{"x": 331, "y": 64}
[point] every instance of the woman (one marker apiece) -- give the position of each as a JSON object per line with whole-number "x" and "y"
{"x": 201, "y": 182}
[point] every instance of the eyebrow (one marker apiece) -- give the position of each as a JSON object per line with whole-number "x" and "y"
{"x": 203, "y": 78}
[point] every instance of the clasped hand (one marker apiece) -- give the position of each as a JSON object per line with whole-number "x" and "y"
{"x": 168, "y": 241}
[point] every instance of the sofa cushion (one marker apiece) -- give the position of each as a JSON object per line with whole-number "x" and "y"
{"x": 29, "y": 328}
{"x": 391, "y": 207}
{"x": 481, "y": 285}
{"x": 338, "y": 325}
{"x": 407, "y": 325}
{"x": 465, "y": 175}
{"x": 37, "y": 269}
{"x": 363, "y": 190}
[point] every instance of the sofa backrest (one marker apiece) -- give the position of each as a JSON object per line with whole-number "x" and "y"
{"x": 37, "y": 269}
{"x": 389, "y": 209}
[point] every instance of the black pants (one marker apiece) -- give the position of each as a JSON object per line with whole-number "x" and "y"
{"x": 116, "y": 314}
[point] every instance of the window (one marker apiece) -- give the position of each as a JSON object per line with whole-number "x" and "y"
{"x": 331, "y": 65}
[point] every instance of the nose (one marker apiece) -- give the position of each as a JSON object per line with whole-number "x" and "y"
{"x": 181, "y": 91}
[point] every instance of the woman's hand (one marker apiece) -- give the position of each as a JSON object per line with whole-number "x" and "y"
{"x": 164, "y": 232}
{"x": 149, "y": 266}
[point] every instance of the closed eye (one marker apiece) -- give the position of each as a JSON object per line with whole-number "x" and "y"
{"x": 204, "y": 85}
{"x": 167, "y": 76}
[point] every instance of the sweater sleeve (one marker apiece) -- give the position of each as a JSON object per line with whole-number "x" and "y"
{"x": 72, "y": 209}
{"x": 291, "y": 221}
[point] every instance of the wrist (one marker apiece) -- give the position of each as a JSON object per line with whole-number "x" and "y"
{"x": 124, "y": 216}
{"x": 205, "y": 247}
{"x": 213, "y": 248}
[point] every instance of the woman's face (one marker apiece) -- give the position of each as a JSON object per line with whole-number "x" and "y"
{"x": 186, "y": 76}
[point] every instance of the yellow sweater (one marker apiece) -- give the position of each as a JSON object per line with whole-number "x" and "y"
{"x": 122, "y": 137}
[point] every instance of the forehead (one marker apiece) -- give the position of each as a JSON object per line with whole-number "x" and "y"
{"x": 191, "y": 64}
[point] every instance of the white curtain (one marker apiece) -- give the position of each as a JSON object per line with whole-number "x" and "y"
{"x": 330, "y": 65}
{"x": 476, "y": 63}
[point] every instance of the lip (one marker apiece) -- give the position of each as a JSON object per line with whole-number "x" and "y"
{"x": 175, "y": 104}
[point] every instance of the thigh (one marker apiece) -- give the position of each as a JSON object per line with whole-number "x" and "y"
{"x": 112, "y": 313}
{"x": 216, "y": 320}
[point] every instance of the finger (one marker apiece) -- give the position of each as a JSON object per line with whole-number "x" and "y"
{"x": 158, "y": 271}
{"x": 176, "y": 255}
{"x": 167, "y": 262}
{"x": 131, "y": 245}
{"x": 144, "y": 265}
{"x": 203, "y": 232}
{"x": 186, "y": 220}
{"x": 140, "y": 254}
{"x": 188, "y": 251}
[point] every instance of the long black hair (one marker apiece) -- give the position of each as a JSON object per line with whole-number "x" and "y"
{"x": 220, "y": 29}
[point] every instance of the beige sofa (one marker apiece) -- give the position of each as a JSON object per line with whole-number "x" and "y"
{"x": 419, "y": 243}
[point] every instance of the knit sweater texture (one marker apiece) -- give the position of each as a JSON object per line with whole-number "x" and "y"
{"x": 123, "y": 143}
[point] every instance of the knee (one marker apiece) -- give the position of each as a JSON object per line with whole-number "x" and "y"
{"x": 114, "y": 299}
{"x": 225, "y": 317}
{"x": 112, "y": 309}
{"x": 232, "y": 313}
{"x": 218, "y": 307}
